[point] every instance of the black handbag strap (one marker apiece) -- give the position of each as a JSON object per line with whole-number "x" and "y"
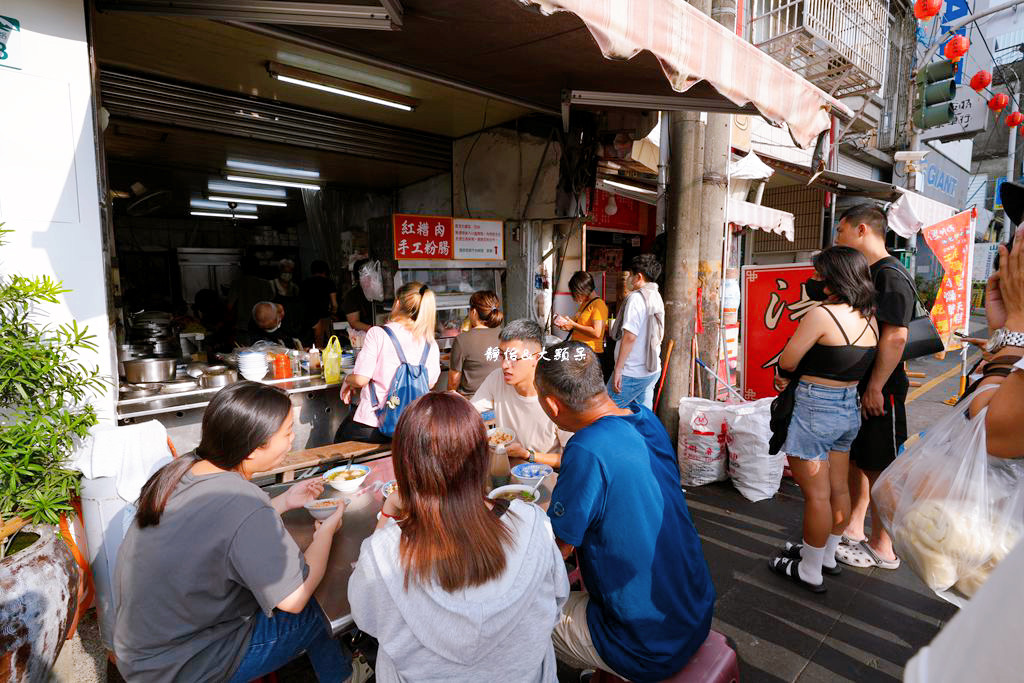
{"x": 919, "y": 308}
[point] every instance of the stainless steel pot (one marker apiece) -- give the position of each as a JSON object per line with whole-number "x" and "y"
{"x": 141, "y": 370}
{"x": 212, "y": 380}
{"x": 131, "y": 352}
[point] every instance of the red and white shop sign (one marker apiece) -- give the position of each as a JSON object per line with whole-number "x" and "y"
{"x": 773, "y": 301}
{"x": 422, "y": 237}
{"x": 443, "y": 238}
{"x": 479, "y": 240}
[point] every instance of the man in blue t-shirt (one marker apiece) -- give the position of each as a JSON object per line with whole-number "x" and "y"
{"x": 649, "y": 596}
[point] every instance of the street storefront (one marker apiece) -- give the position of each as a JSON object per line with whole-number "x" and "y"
{"x": 229, "y": 179}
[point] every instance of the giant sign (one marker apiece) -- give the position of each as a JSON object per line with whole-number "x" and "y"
{"x": 944, "y": 180}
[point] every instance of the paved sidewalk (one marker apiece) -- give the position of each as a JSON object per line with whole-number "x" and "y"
{"x": 865, "y": 628}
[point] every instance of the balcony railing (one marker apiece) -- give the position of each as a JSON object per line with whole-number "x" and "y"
{"x": 839, "y": 45}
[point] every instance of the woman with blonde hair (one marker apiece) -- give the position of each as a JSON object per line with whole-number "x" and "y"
{"x": 470, "y": 362}
{"x": 408, "y": 337}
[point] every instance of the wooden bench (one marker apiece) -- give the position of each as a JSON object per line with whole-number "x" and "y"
{"x": 314, "y": 457}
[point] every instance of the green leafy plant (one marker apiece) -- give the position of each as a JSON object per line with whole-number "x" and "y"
{"x": 44, "y": 407}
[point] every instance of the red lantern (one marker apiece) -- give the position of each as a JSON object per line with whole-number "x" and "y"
{"x": 1014, "y": 119}
{"x": 981, "y": 80}
{"x": 926, "y": 9}
{"x": 998, "y": 102}
{"x": 956, "y": 48}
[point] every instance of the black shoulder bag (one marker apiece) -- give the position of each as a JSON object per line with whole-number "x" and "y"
{"x": 922, "y": 337}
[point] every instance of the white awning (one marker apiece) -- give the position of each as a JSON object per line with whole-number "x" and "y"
{"x": 692, "y": 47}
{"x": 745, "y": 214}
{"x": 913, "y": 211}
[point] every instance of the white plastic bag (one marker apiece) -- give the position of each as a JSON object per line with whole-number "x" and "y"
{"x": 755, "y": 473}
{"x": 371, "y": 282}
{"x": 953, "y": 511}
{"x": 703, "y": 429}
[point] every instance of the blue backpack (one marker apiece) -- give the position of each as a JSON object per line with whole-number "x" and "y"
{"x": 409, "y": 383}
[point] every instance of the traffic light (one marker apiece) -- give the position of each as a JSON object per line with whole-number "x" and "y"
{"x": 933, "y": 103}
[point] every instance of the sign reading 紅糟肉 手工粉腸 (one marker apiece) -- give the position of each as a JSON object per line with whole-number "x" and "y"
{"x": 443, "y": 238}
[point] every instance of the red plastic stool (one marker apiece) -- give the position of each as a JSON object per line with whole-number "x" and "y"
{"x": 714, "y": 662}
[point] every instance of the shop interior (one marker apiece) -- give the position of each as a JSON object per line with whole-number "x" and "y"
{"x": 224, "y": 178}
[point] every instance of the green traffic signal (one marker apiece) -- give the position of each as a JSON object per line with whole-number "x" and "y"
{"x": 934, "y": 95}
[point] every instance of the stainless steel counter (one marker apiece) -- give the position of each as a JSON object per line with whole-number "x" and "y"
{"x": 318, "y": 412}
{"x": 200, "y": 398}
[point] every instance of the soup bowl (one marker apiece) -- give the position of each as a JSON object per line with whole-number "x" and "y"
{"x": 323, "y": 508}
{"x": 347, "y": 478}
{"x": 515, "y": 492}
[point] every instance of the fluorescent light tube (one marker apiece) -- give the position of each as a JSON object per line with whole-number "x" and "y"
{"x": 267, "y": 169}
{"x": 221, "y": 206}
{"x": 226, "y": 188}
{"x": 271, "y": 181}
{"x": 624, "y": 186}
{"x": 344, "y": 93}
{"x": 241, "y": 201}
{"x": 214, "y": 214}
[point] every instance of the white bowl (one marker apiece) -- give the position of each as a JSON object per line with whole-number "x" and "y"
{"x": 254, "y": 374}
{"x": 346, "y": 485}
{"x": 319, "y": 509}
{"x": 502, "y": 491}
{"x": 508, "y": 433}
{"x": 529, "y": 473}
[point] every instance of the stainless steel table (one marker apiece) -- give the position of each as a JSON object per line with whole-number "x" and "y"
{"x": 360, "y": 521}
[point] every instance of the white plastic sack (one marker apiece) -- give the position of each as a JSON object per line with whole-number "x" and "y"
{"x": 703, "y": 429}
{"x": 953, "y": 511}
{"x": 755, "y": 473}
{"x": 371, "y": 282}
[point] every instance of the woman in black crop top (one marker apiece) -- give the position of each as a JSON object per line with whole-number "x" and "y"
{"x": 818, "y": 414}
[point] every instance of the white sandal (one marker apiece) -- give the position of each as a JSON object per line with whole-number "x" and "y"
{"x": 861, "y": 555}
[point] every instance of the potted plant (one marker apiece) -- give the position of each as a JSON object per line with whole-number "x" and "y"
{"x": 44, "y": 408}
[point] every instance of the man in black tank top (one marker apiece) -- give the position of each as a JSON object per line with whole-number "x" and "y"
{"x": 883, "y": 390}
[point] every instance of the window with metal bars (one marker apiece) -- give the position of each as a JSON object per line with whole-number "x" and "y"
{"x": 806, "y": 205}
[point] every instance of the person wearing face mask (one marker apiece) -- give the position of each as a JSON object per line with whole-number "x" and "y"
{"x": 819, "y": 369}
{"x": 269, "y": 324}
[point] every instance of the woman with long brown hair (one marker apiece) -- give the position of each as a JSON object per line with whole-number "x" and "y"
{"x": 409, "y": 333}
{"x": 453, "y": 585}
{"x": 211, "y": 587}
{"x": 470, "y": 362}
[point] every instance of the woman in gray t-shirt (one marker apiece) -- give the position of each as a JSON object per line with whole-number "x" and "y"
{"x": 211, "y": 587}
{"x": 470, "y": 362}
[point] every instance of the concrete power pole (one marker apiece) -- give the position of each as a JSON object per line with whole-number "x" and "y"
{"x": 682, "y": 257}
{"x": 714, "y": 196}
{"x": 1011, "y": 164}
{"x": 682, "y": 225}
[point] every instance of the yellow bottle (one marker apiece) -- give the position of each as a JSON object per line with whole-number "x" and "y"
{"x": 332, "y": 361}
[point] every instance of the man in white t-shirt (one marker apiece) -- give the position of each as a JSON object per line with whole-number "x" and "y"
{"x": 639, "y": 330}
{"x": 510, "y": 393}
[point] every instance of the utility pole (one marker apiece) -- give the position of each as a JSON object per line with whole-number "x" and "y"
{"x": 682, "y": 225}
{"x": 1011, "y": 164}
{"x": 682, "y": 254}
{"x": 714, "y": 197}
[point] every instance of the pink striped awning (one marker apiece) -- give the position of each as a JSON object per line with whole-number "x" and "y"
{"x": 692, "y": 47}
{"x": 746, "y": 215}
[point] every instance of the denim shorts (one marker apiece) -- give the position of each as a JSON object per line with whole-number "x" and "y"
{"x": 824, "y": 419}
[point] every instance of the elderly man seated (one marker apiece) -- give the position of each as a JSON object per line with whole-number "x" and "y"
{"x": 268, "y": 324}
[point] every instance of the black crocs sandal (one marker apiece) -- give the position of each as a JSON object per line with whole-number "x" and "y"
{"x": 792, "y": 551}
{"x": 787, "y": 567}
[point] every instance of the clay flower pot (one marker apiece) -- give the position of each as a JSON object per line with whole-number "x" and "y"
{"x": 38, "y": 596}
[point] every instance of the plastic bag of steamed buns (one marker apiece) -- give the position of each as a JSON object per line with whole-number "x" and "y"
{"x": 953, "y": 544}
{"x": 953, "y": 511}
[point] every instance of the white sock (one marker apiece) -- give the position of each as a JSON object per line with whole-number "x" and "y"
{"x": 809, "y": 568}
{"x": 830, "y": 550}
